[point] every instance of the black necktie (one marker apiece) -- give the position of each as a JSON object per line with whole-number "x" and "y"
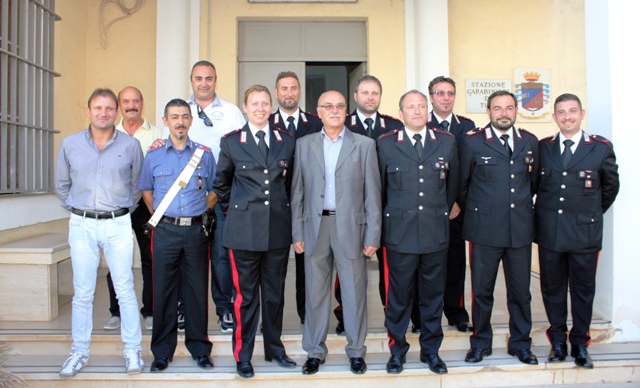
{"x": 566, "y": 154}
{"x": 505, "y": 138}
{"x": 369, "y": 121}
{"x": 262, "y": 145}
{"x": 418, "y": 144}
{"x": 290, "y": 127}
{"x": 445, "y": 125}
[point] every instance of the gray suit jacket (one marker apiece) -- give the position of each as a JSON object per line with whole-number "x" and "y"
{"x": 358, "y": 193}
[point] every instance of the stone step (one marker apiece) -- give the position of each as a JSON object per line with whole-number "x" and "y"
{"x": 615, "y": 363}
{"x": 30, "y": 342}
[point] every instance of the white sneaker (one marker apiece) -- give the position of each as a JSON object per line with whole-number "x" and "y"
{"x": 148, "y": 323}
{"x": 113, "y": 323}
{"x": 134, "y": 362}
{"x": 72, "y": 366}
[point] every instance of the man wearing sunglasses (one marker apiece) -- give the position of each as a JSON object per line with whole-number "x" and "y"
{"x": 212, "y": 119}
{"x": 442, "y": 95}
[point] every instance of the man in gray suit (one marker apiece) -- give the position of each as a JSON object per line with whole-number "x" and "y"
{"x": 336, "y": 215}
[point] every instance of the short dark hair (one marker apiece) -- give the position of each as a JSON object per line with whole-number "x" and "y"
{"x": 440, "y": 79}
{"x": 369, "y": 78}
{"x": 286, "y": 74}
{"x": 204, "y": 63}
{"x": 501, "y": 93}
{"x": 176, "y": 102}
{"x": 254, "y": 89}
{"x": 102, "y": 92}
{"x": 412, "y": 91}
{"x": 130, "y": 87}
{"x": 566, "y": 97}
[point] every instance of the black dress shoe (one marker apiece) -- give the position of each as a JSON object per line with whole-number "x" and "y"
{"x": 160, "y": 364}
{"x": 302, "y": 321}
{"x": 463, "y": 327}
{"x": 311, "y": 366}
{"x": 524, "y": 355}
{"x": 358, "y": 366}
{"x": 283, "y": 360}
{"x": 415, "y": 329}
{"x": 477, "y": 354}
{"x": 436, "y": 365}
{"x": 581, "y": 356}
{"x": 395, "y": 364}
{"x": 340, "y": 328}
{"x": 558, "y": 352}
{"x": 244, "y": 369}
{"x": 204, "y": 362}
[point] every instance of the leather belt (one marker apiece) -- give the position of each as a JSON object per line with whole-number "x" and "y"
{"x": 182, "y": 221}
{"x": 328, "y": 212}
{"x": 100, "y": 215}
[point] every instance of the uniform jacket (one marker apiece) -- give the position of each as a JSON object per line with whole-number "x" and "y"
{"x": 384, "y": 124}
{"x": 417, "y": 193}
{"x": 254, "y": 192}
{"x": 307, "y": 123}
{"x": 571, "y": 201}
{"x": 357, "y": 193}
{"x": 495, "y": 190}
{"x": 458, "y": 127}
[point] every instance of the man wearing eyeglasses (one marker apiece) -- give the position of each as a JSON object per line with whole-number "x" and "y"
{"x": 212, "y": 119}
{"x": 442, "y": 94}
{"x": 367, "y": 121}
{"x": 336, "y": 218}
{"x": 291, "y": 118}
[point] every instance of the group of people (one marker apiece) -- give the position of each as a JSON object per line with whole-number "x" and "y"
{"x": 340, "y": 188}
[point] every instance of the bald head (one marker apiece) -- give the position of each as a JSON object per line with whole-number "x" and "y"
{"x": 332, "y": 110}
{"x": 130, "y": 99}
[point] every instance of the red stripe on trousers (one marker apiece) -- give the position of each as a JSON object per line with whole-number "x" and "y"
{"x": 236, "y": 306}
{"x": 475, "y": 330}
{"x": 153, "y": 299}
{"x": 386, "y": 288}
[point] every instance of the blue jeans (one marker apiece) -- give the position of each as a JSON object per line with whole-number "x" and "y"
{"x": 221, "y": 282}
{"x": 86, "y": 237}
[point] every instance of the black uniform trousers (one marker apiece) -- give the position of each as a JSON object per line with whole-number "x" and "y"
{"x": 559, "y": 270}
{"x": 258, "y": 277}
{"x": 180, "y": 255}
{"x": 454, "y": 308}
{"x": 404, "y": 273}
{"x": 138, "y": 218}
{"x": 516, "y": 262}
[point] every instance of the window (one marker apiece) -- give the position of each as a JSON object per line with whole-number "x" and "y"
{"x": 26, "y": 95}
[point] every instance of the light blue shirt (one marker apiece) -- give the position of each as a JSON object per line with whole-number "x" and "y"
{"x": 98, "y": 181}
{"x": 163, "y": 165}
{"x": 331, "y": 150}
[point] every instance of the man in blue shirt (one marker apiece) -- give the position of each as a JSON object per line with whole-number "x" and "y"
{"x": 96, "y": 176}
{"x": 178, "y": 242}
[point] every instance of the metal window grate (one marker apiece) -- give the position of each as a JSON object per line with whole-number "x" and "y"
{"x": 26, "y": 95}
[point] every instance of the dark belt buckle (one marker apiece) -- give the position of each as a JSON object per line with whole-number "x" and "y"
{"x": 184, "y": 221}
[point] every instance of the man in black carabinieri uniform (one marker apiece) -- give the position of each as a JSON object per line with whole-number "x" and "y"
{"x": 578, "y": 183}
{"x": 253, "y": 183}
{"x": 291, "y": 118}
{"x": 442, "y": 94}
{"x": 498, "y": 175}
{"x": 367, "y": 121}
{"x": 419, "y": 174}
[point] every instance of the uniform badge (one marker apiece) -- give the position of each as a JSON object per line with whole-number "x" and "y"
{"x": 277, "y": 135}
{"x": 437, "y": 165}
{"x": 588, "y": 184}
{"x": 486, "y": 159}
{"x": 400, "y": 136}
{"x": 443, "y": 175}
{"x": 353, "y": 120}
{"x": 382, "y": 123}
{"x": 283, "y": 163}
{"x": 303, "y": 117}
{"x": 432, "y": 135}
{"x": 276, "y": 119}
{"x": 243, "y": 137}
{"x": 582, "y": 174}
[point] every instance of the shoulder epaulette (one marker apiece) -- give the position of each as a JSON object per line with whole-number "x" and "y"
{"x": 525, "y": 131}
{"x": 232, "y": 133}
{"x": 389, "y": 117}
{"x": 204, "y": 147}
{"x": 387, "y": 134}
{"x": 463, "y": 117}
{"x": 548, "y": 138}
{"x": 475, "y": 131}
{"x": 155, "y": 149}
{"x": 312, "y": 114}
{"x": 600, "y": 139}
{"x": 282, "y": 131}
{"x": 441, "y": 132}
